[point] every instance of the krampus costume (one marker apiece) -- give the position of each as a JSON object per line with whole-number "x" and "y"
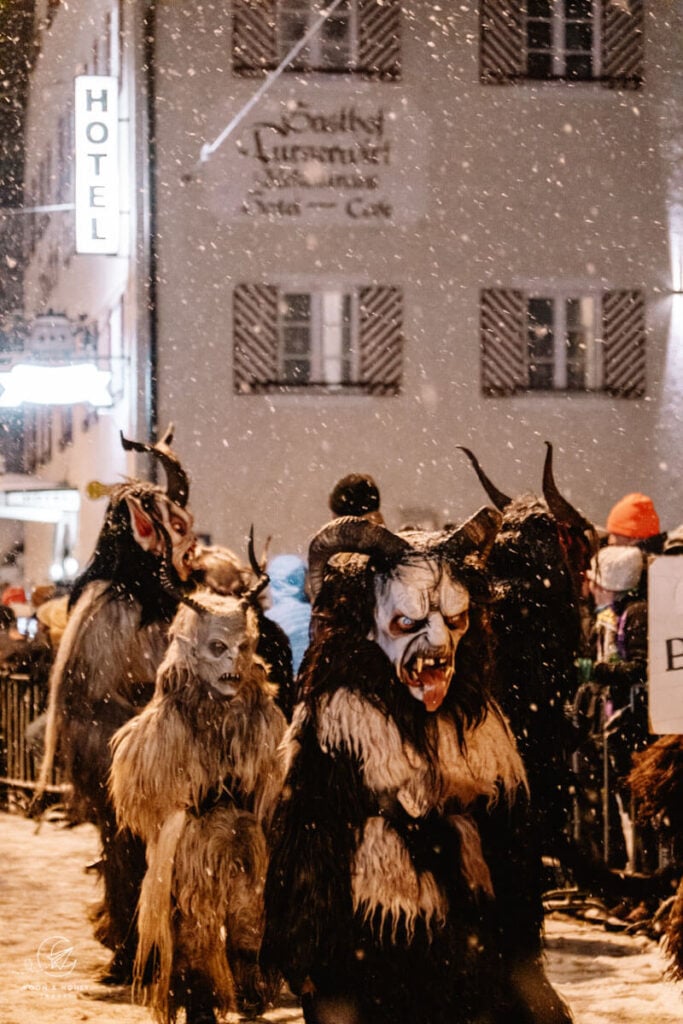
{"x": 196, "y": 776}
{"x": 536, "y": 564}
{"x": 115, "y": 639}
{"x": 400, "y": 889}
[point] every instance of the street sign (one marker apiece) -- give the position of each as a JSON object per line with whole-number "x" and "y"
{"x": 665, "y": 644}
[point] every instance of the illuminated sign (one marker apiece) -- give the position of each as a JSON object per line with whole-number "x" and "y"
{"x": 97, "y": 164}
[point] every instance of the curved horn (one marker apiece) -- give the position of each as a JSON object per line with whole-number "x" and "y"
{"x": 354, "y": 535}
{"x": 500, "y": 500}
{"x": 559, "y": 506}
{"x": 177, "y": 482}
{"x": 476, "y": 534}
{"x": 262, "y": 577}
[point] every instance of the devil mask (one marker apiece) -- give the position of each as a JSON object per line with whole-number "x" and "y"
{"x": 421, "y": 607}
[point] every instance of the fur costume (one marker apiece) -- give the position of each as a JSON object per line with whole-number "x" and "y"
{"x": 535, "y": 565}
{"x": 103, "y": 675}
{"x": 196, "y": 775}
{"x": 400, "y": 888}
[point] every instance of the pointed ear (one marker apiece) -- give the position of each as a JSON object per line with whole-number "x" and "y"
{"x": 142, "y": 525}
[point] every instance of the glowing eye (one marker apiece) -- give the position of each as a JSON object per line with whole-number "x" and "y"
{"x": 403, "y": 624}
{"x": 217, "y": 648}
{"x": 458, "y": 622}
{"x": 179, "y": 526}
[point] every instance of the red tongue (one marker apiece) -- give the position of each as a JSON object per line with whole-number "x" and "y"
{"x": 434, "y": 687}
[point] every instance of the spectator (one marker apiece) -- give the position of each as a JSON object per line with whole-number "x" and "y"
{"x": 356, "y": 494}
{"x": 634, "y": 522}
{"x": 290, "y": 607}
{"x": 618, "y": 683}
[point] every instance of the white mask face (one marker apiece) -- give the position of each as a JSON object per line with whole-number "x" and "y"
{"x": 420, "y": 616}
{"x": 224, "y": 649}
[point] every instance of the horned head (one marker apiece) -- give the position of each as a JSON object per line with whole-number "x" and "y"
{"x": 422, "y": 593}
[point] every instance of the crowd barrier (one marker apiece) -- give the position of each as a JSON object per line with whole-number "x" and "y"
{"x": 22, "y": 700}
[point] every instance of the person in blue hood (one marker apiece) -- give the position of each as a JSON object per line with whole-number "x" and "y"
{"x": 290, "y": 606}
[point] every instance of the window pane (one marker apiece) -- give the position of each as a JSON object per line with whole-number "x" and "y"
{"x": 539, "y": 36}
{"x": 539, "y": 8}
{"x": 297, "y": 306}
{"x": 297, "y": 371}
{"x": 296, "y": 340}
{"x": 578, "y": 8}
{"x": 540, "y": 329}
{"x": 539, "y": 65}
{"x": 580, "y": 68}
{"x": 579, "y": 36}
{"x": 541, "y": 376}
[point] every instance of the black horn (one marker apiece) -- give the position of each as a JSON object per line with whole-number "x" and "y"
{"x": 351, "y": 535}
{"x": 500, "y": 500}
{"x": 262, "y": 577}
{"x": 476, "y": 535}
{"x": 559, "y": 506}
{"x": 177, "y": 482}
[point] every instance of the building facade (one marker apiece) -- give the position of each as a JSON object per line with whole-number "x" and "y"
{"x": 372, "y": 231}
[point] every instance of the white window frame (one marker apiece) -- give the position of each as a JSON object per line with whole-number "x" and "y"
{"x": 326, "y": 355}
{"x": 593, "y": 361}
{"x": 558, "y": 48}
{"x": 312, "y": 56}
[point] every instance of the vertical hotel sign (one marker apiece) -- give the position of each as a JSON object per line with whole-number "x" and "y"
{"x": 97, "y": 164}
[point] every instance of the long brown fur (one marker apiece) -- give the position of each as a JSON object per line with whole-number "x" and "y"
{"x": 198, "y": 778}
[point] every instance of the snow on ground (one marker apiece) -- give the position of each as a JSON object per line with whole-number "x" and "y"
{"x": 605, "y": 977}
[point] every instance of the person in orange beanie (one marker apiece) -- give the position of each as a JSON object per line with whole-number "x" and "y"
{"x": 634, "y": 521}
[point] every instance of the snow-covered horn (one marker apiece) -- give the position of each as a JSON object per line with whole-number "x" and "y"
{"x": 177, "y": 482}
{"x": 500, "y": 500}
{"x": 559, "y": 506}
{"x": 351, "y": 535}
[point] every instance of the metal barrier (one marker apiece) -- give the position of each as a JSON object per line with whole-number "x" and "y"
{"x": 22, "y": 700}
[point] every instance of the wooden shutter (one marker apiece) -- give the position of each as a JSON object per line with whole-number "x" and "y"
{"x": 254, "y": 36}
{"x": 379, "y": 38}
{"x": 622, "y": 44}
{"x": 381, "y": 339}
{"x": 255, "y": 339}
{"x": 503, "y": 341}
{"x": 502, "y": 40}
{"x": 623, "y": 333}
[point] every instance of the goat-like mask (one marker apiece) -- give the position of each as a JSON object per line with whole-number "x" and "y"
{"x": 156, "y": 518}
{"x": 221, "y": 644}
{"x": 421, "y": 614}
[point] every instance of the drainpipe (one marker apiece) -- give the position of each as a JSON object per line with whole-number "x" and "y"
{"x": 149, "y": 72}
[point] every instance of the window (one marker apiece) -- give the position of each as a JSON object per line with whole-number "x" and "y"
{"x": 360, "y": 36}
{"x": 567, "y": 40}
{"x": 553, "y": 340}
{"x": 324, "y": 339}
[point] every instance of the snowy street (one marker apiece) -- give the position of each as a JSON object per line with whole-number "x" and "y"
{"x": 49, "y": 960}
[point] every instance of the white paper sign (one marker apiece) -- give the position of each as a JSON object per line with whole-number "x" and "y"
{"x": 665, "y": 643}
{"x": 97, "y": 164}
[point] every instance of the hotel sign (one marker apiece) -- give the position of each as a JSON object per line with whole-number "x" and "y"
{"x": 97, "y": 164}
{"x": 320, "y": 158}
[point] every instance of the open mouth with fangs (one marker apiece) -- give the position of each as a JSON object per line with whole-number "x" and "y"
{"x": 429, "y": 677}
{"x": 226, "y": 686}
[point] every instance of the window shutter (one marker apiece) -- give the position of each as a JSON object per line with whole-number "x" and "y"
{"x": 379, "y": 38}
{"x": 622, "y": 44}
{"x": 254, "y": 39}
{"x": 623, "y": 333}
{"x": 255, "y": 340}
{"x": 502, "y": 41}
{"x": 503, "y": 341}
{"x": 381, "y": 339}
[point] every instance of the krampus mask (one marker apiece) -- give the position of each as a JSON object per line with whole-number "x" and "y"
{"x": 421, "y": 600}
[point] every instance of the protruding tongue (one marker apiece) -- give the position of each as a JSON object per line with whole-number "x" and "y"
{"x": 434, "y": 687}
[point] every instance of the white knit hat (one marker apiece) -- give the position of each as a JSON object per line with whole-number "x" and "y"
{"x": 616, "y": 567}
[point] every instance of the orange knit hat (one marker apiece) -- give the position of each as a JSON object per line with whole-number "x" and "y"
{"x": 634, "y": 516}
